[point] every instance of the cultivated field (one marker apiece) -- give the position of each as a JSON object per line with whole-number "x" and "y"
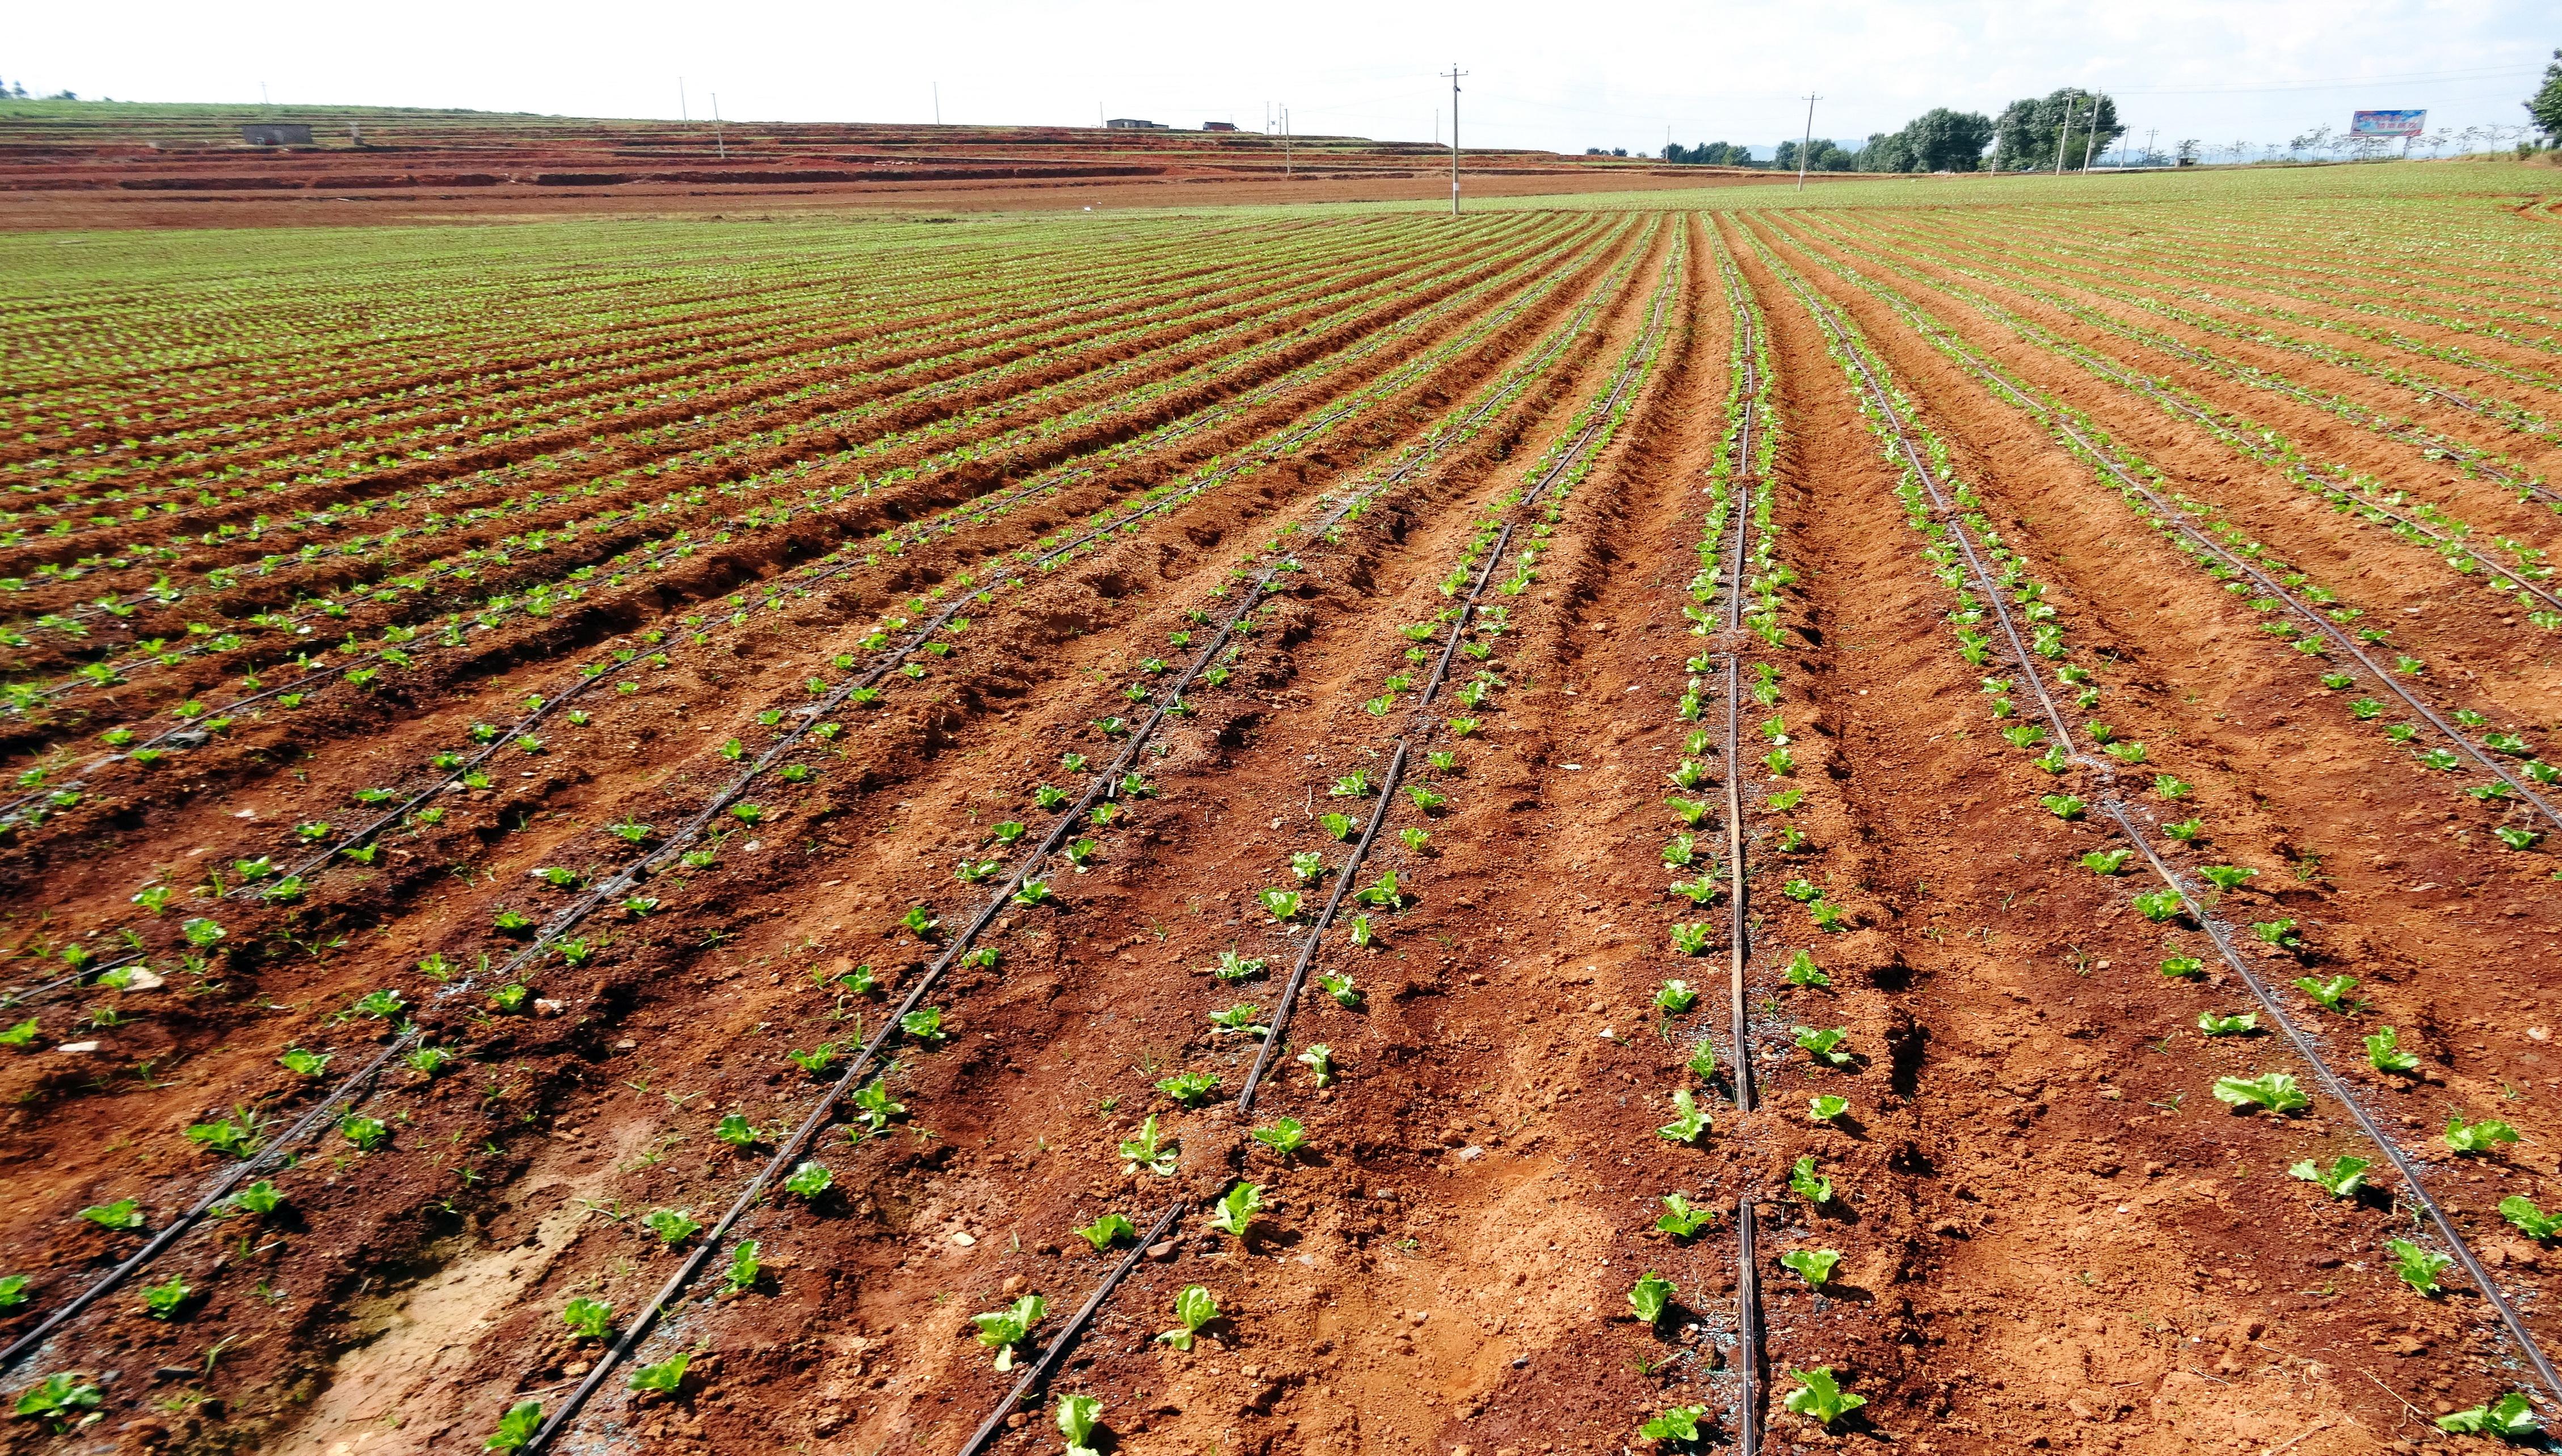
{"x": 1584, "y": 829}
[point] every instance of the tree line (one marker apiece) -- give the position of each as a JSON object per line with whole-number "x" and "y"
{"x": 2027, "y": 137}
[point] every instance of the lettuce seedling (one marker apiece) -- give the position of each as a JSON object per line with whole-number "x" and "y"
{"x": 1236, "y": 1212}
{"x": 1318, "y": 1059}
{"x": 1077, "y": 1417}
{"x": 666, "y": 1378}
{"x": 2226, "y": 876}
{"x": 1651, "y": 1296}
{"x": 21, "y": 1033}
{"x": 1826, "y": 1108}
{"x": 810, "y": 1179}
{"x": 2179, "y": 966}
{"x": 2159, "y": 905}
{"x": 2274, "y": 1091}
{"x": 1802, "y": 970}
{"x": 1690, "y": 775}
{"x": 1033, "y": 894}
{"x": 1697, "y": 891}
{"x": 1462, "y": 727}
{"x": 2530, "y": 1220}
{"x": 1703, "y": 1061}
{"x": 1689, "y": 1124}
{"x": 1355, "y": 785}
{"x": 122, "y": 1213}
{"x": 1307, "y": 865}
{"x": 1825, "y": 1044}
{"x": 1680, "y": 851}
{"x": 13, "y": 1291}
{"x": 367, "y": 1132}
{"x": 1341, "y": 988}
{"x": 1103, "y": 1233}
{"x": 1425, "y": 799}
{"x": 672, "y": 1225}
{"x": 2341, "y": 1179}
{"x": 1238, "y": 1020}
{"x": 1189, "y": 1088}
{"x": 2185, "y": 832}
{"x": 1676, "y": 1423}
{"x": 1010, "y": 1326}
{"x": 1341, "y": 827}
{"x": 2063, "y": 806}
{"x": 2511, "y": 1417}
{"x": 1383, "y": 892}
{"x": 2514, "y": 837}
{"x": 1194, "y": 1307}
{"x": 2384, "y": 1052}
{"x": 236, "y": 1136}
{"x": 2279, "y": 933}
{"x": 1821, "y": 1396}
{"x": 919, "y": 921}
{"x": 1689, "y": 811}
{"x": 2417, "y": 1267}
{"x": 873, "y": 1109}
{"x": 1281, "y": 905}
{"x": 744, "y": 1267}
{"x": 57, "y": 1395}
{"x": 1286, "y": 1136}
{"x": 1816, "y": 1266}
{"x": 2241, "y": 1025}
{"x": 1805, "y": 1185}
{"x": 2331, "y": 994}
{"x": 1691, "y": 939}
{"x": 925, "y": 1023}
{"x": 1675, "y": 996}
{"x": 589, "y": 1319}
{"x": 2107, "y": 862}
{"x": 1146, "y": 1150}
{"x": 736, "y": 1130}
{"x": 259, "y": 1198}
{"x": 816, "y": 1060}
{"x": 160, "y": 1301}
{"x": 2480, "y": 1137}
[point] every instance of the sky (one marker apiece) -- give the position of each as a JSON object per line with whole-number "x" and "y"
{"x": 1539, "y": 76}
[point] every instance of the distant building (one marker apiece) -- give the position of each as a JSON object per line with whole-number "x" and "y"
{"x": 276, "y": 133}
{"x": 1218, "y": 127}
{"x": 1133, "y": 124}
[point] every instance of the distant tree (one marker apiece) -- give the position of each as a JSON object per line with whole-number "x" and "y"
{"x": 1710, "y": 154}
{"x": 1938, "y": 140}
{"x": 1822, "y": 156}
{"x": 2546, "y": 104}
{"x": 2028, "y": 132}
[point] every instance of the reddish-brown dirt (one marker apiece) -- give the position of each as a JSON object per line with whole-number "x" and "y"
{"x": 188, "y": 167}
{"x": 2049, "y": 1231}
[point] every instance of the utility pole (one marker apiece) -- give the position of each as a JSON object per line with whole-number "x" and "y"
{"x": 723, "y": 146}
{"x": 938, "y": 102}
{"x": 2093, "y": 139}
{"x": 2149, "y": 133}
{"x": 682, "y": 113}
{"x": 2065, "y": 134}
{"x": 1285, "y": 144}
{"x": 262, "y": 94}
{"x": 1454, "y": 74}
{"x": 1809, "y": 144}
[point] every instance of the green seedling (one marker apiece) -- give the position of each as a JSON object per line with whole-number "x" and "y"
{"x": 1816, "y": 1266}
{"x": 1194, "y": 1307}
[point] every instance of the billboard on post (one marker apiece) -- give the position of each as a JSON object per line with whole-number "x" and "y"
{"x": 2387, "y": 124}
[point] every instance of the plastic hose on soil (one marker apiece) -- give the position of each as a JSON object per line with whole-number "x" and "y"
{"x": 1041, "y": 1369}
{"x": 2331, "y": 1082}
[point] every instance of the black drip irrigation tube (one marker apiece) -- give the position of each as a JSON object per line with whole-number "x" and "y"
{"x": 1747, "y": 1279}
{"x": 2180, "y": 520}
{"x": 1418, "y": 724}
{"x": 1047, "y": 1365}
{"x": 1101, "y": 788}
{"x": 2339, "y": 1090}
{"x": 974, "y": 513}
{"x": 221, "y": 1188}
{"x": 411, "y": 1035}
{"x": 2143, "y": 384}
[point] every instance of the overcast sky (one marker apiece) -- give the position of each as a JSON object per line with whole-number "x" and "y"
{"x": 1556, "y": 76}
